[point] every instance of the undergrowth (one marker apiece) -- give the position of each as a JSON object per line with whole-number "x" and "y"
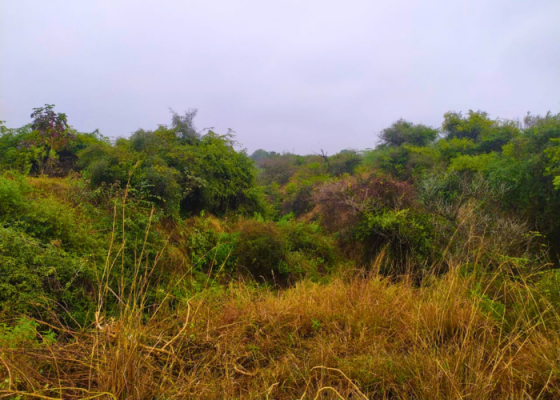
{"x": 471, "y": 333}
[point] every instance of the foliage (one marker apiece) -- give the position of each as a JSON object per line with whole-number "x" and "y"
{"x": 404, "y": 163}
{"x": 24, "y": 334}
{"x": 344, "y": 162}
{"x": 407, "y": 235}
{"x": 470, "y": 127}
{"x": 169, "y": 264}
{"x": 374, "y": 215}
{"x": 277, "y": 168}
{"x": 178, "y": 171}
{"x": 49, "y": 136}
{"x": 478, "y": 163}
{"x": 310, "y": 251}
{"x": 46, "y": 219}
{"x": 553, "y": 168}
{"x": 453, "y": 147}
{"x": 40, "y": 279}
{"x": 260, "y": 251}
{"x": 405, "y": 132}
{"x": 184, "y": 127}
{"x": 490, "y": 135}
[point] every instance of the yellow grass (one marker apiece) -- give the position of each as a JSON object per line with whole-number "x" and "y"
{"x": 353, "y": 338}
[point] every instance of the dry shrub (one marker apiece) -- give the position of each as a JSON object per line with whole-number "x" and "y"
{"x": 260, "y": 250}
{"x": 341, "y": 202}
{"x": 376, "y": 214}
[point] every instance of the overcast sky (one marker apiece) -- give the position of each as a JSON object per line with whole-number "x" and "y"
{"x": 285, "y": 75}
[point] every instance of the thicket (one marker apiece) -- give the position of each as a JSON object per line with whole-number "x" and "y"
{"x": 200, "y": 263}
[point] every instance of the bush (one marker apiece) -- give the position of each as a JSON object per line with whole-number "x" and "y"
{"x": 309, "y": 252}
{"x": 46, "y": 219}
{"x": 38, "y": 279}
{"x": 13, "y": 191}
{"x": 468, "y": 212}
{"x": 407, "y": 236}
{"x": 299, "y": 199}
{"x": 207, "y": 245}
{"x": 278, "y": 168}
{"x": 341, "y": 202}
{"x": 344, "y": 162}
{"x": 260, "y": 250}
{"x": 308, "y": 238}
{"x": 375, "y": 214}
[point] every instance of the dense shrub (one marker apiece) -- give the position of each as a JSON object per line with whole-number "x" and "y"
{"x": 13, "y": 191}
{"x": 344, "y": 162}
{"x": 48, "y": 254}
{"x": 377, "y": 214}
{"x": 308, "y": 238}
{"x": 41, "y": 279}
{"x": 310, "y": 253}
{"x": 46, "y": 219}
{"x": 406, "y": 235}
{"x": 260, "y": 250}
{"x": 207, "y": 244}
{"x": 474, "y": 222}
{"x": 298, "y": 199}
{"x": 277, "y": 168}
{"x": 179, "y": 175}
{"x": 340, "y": 202}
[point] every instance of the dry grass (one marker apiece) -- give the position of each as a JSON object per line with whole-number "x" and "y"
{"x": 353, "y": 338}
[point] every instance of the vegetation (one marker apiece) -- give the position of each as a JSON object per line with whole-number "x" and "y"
{"x": 172, "y": 265}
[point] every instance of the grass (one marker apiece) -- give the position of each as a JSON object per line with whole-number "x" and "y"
{"x": 354, "y": 337}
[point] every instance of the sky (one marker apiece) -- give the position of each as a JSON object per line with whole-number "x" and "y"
{"x": 286, "y": 75}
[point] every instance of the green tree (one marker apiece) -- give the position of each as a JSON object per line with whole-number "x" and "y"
{"x": 50, "y": 135}
{"x": 490, "y": 135}
{"x": 405, "y": 132}
{"x": 178, "y": 172}
{"x": 184, "y": 127}
{"x": 345, "y": 162}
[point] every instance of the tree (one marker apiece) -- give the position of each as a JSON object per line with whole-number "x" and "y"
{"x": 50, "y": 135}
{"x": 184, "y": 126}
{"x": 261, "y": 155}
{"x": 278, "y": 168}
{"x": 345, "y": 162}
{"x": 472, "y": 126}
{"x": 405, "y": 132}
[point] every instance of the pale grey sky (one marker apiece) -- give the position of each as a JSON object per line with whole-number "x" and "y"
{"x": 285, "y": 75}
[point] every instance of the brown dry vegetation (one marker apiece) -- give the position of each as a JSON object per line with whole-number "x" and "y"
{"x": 359, "y": 337}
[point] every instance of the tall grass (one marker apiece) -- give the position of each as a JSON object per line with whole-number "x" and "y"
{"x": 351, "y": 338}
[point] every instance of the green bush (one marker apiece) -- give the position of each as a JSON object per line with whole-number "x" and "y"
{"x": 407, "y": 235}
{"x": 344, "y": 162}
{"x": 39, "y": 279}
{"x": 178, "y": 175}
{"x": 308, "y": 238}
{"x": 46, "y": 219}
{"x": 13, "y": 191}
{"x": 25, "y": 334}
{"x": 309, "y": 252}
{"x": 207, "y": 245}
{"x": 260, "y": 250}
